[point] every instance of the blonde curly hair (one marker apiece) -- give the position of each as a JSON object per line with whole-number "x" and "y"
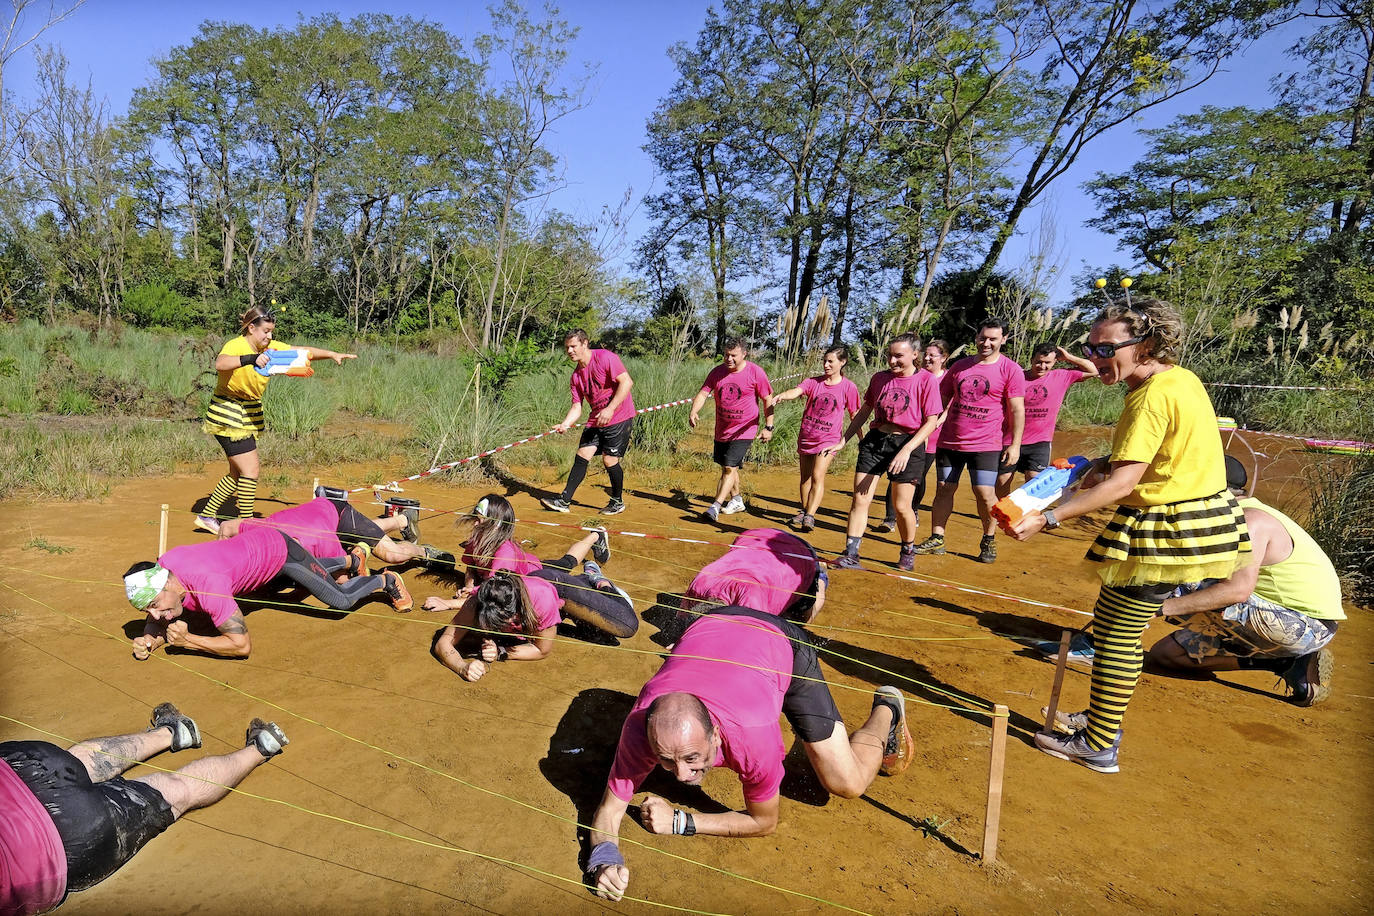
{"x": 1155, "y": 320}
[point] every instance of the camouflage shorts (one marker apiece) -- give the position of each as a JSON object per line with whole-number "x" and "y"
{"x": 1254, "y": 628}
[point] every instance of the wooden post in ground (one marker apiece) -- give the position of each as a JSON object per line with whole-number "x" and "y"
{"x": 315, "y": 485}
{"x": 996, "y": 768}
{"x": 1059, "y": 665}
{"x": 162, "y": 531}
{"x": 476, "y": 405}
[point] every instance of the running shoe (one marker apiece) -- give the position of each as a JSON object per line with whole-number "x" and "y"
{"x": 601, "y": 550}
{"x": 796, "y": 520}
{"x": 932, "y": 546}
{"x": 987, "y": 549}
{"x": 846, "y": 561}
{"x": 1080, "y": 648}
{"x": 439, "y": 560}
{"x": 906, "y": 559}
{"x": 357, "y": 564}
{"x": 736, "y": 504}
{"x": 185, "y": 732}
{"x": 712, "y": 511}
{"x": 395, "y": 588}
{"x": 207, "y": 523}
{"x": 267, "y": 737}
{"x": 899, "y": 748}
{"x": 887, "y": 524}
{"x": 592, "y": 571}
{"x": 555, "y": 504}
{"x": 808, "y": 523}
{"x": 1309, "y": 677}
{"x": 1075, "y": 748}
{"x": 410, "y": 508}
{"x": 1066, "y": 723}
{"x": 614, "y": 507}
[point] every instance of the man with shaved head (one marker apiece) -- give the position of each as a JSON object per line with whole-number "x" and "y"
{"x": 716, "y": 701}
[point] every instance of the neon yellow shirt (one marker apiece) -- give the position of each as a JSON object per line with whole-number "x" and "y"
{"x": 243, "y": 383}
{"x": 1305, "y": 581}
{"x": 1168, "y": 423}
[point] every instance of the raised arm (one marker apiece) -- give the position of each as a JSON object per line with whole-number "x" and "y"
{"x": 1085, "y": 366}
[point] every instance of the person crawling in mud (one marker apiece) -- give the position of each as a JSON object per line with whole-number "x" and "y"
{"x": 765, "y": 569}
{"x": 71, "y": 820}
{"x": 715, "y": 702}
{"x": 205, "y": 578}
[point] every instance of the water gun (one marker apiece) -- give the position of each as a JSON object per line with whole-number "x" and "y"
{"x": 287, "y": 362}
{"x": 1041, "y": 491}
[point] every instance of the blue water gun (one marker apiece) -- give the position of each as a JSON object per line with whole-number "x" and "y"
{"x": 1041, "y": 491}
{"x": 287, "y": 362}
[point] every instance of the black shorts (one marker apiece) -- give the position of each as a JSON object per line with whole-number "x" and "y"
{"x": 731, "y": 454}
{"x": 808, "y": 705}
{"x": 356, "y": 528}
{"x": 609, "y": 440}
{"x": 877, "y": 449}
{"x": 982, "y": 466}
{"x": 234, "y": 447}
{"x": 1035, "y": 457}
{"x": 102, "y": 824}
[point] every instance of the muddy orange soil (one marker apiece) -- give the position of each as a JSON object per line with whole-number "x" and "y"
{"x": 407, "y": 789}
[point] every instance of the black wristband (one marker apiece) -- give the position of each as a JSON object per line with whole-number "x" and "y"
{"x": 690, "y": 827}
{"x": 248, "y": 359}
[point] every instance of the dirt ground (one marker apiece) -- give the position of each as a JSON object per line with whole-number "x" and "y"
{"x": 407, "y": 789}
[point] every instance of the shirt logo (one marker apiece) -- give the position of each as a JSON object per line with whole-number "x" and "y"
{"x": 1036, "y": 395}
{"x": 730, "y": 394}
{"x": 825, "y": 405}
{"x": 894, "y": 401}
{"x": 973, "y": 388}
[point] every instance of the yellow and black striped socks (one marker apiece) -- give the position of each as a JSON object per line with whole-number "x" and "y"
{"x": 1118, "y": 620}
{"x": 223, "y": 490}
{"x": 244, "y": 494}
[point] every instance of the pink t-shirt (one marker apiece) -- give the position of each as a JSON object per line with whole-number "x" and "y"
{"x": 933, "y": 442}
{"x": 744, "y": 702}
{"x": 976, "y": 394}
{"x": 737, "y": 397}
{"x": 903, "y": 401}
{"x": 314, "y": 524}
{"x": 765, "y": 569}
{"x": 33, "y": 862}
{"x": 509, "y": 556}
{"x": 1044, "y": 397}
{"x": 547, "y": 604}
{"x": 215, "y": 571}
{"x": 822, "y": 423}
{"x": 596, "y": 384}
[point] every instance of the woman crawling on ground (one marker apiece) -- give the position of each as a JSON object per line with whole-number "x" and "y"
{"x": 508, "y": 617}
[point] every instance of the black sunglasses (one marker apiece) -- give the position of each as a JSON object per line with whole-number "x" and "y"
{"x": 1108, "y": 350}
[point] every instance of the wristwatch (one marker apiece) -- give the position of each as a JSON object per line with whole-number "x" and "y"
{"x": 1051, "y": 521}
{"x": 769, "y": 427}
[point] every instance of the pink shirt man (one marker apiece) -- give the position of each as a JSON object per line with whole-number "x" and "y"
{"x": 744, "y": 703}
{"x": 822, "y": 423}
{"x": 314, "y": 524}
{"x": 765, "y": 569}
{"x": 976, "y": 394}
{"x": 1044, "y": 398}
{"x": 903, "y": 401}
{"x": 595, "y": 383}
{"x": 737, "y": 397}
{"x": 215, "y": 571}
{"x": 33, "y": 862}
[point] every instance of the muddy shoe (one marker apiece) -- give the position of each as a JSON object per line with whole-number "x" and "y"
{"x": 185, "y": 733}
{"x": 887, "y": 524}
{"x": 932, "y": 546}
{"x": 1310, "y": 677}
{"x": 808, "y": 523}
{"x": 395, "y": 588}
{"x": 987, "y": 549}
{"x": 439, "y": 560}
{"x": 1066, "y": 723}
{"x": 614, "y": 507}
{"x": 410, "y": 508}
{"x": 845, "y": 561}
{"x": 357, "y": 564}
{"x": 906, "y": 558}
{"x": 601, "y": 550}
{"x": 899, "y": 748}
{"x": 267, "y": 737}
{"x": 555, "y": 504}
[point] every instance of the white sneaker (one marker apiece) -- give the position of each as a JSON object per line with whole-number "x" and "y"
{"x": 733, "y": 506}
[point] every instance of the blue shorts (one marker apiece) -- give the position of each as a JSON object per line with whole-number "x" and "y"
{"x": 982, "y": 466}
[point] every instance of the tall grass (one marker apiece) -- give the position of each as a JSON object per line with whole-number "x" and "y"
{"x": 1341, "y": 518}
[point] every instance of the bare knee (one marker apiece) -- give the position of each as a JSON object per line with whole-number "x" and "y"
{"x": 1167, "y": 653}
{"x": 847, "y": 785}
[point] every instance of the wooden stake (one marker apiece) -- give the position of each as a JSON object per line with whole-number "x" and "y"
{"x": 996, "y": 767}
{"x": 162, "y": 532}
{"x": 314, "y": 486}
{"x": 1059, "y": 665}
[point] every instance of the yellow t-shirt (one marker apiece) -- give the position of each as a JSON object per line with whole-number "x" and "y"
{"x": 1169, "y": 424}
{"x": 1305, "y": 581}
{"x": 243, "y": 383}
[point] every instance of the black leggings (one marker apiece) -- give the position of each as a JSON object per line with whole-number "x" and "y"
{"x": 602, "y": 608}
{"x": 316, "y": 575}
{"x": 917, "y": 497}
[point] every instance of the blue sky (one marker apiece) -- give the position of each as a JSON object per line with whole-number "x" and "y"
{"x": 113, "y": 41}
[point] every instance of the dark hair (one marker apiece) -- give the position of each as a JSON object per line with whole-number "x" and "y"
{"x": 907, "y": 338}
{"x": 254, "y": 315}
{"x": 138, "y": 567}
{"x": 504, "y": 605}
{"x": 492, "y": 525}
{"x": 734, "y": 343}
{"x": 576, "y": 333}
{"x": 839, "y": 350}
{"x": 1153, "y": 319}
{"x": 1044, "y": 348}
{"x": 992, "y": 321}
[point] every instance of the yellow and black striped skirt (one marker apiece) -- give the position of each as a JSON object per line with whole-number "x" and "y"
{"x": 233, "y": 419}
{"x": 1173, "y": 544}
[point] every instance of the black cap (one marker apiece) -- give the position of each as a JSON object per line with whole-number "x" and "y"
{"x": 1236, "y": 478}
